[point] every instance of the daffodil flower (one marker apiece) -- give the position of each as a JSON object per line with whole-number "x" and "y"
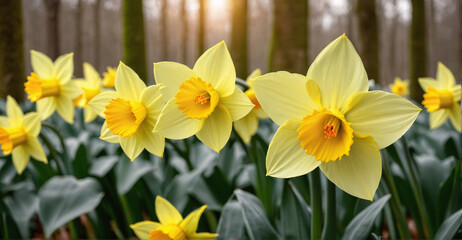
{"x": 51, "y": 87}
{"x": 171, "y": 225}
{"x": 329, "y": 120}
{"x": 109, "y": 77}
{"x": 91, "y": 87}
{"x": 441, "y": 98}
{"x": 400, "y": 87}
{"x": 247, "y": 126}
{"x": 131, "y": 111}
{"x": 203, "y": 100}
{"x": 18, "y": 135}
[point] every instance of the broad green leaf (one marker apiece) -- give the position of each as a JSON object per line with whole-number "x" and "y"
{"x": 449, "y": 226}
{"x": 80, "y": 163}
{"x": 102, "y": 165}
{"x": 64, "y": 198}
{"x": 230, "y": 225}
{"x": 22, "y": 205}
{"x": 295, "y": 222}
{"x": 255, "y": 219}
{"x": 361, "y": 225}
{"x": 128, "y": 173}
{"x": 449, "y": 195}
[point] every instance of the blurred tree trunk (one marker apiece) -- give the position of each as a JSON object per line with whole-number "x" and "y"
{"x": 134, "y": 54}
{"x": 238, "y": 45}
{"x": 52, "y": 20}
{"x": 368, "y": 35}
{"x": 78, "y": 41}
{"x": 12, "y": 72}
{"x": 164, "y": 33}
{"x": 418, "y": 48}
{"x": 393, "y": 35}
{"x": 97, "y": 34}
{"x": 289, "y": 43}
{"x": 184, "y": 20}
{"x": 201, "y": 37}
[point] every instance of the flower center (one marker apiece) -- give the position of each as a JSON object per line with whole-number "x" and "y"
{"x": 437, "y": 99}
{"x": 251, "y": 95}
{"x": 11, "y": 138}
{"x": 169, "y": 231}
{"x": 197, "y": 98}
{"x": 38, "y": 88}
{"x": 326, "y": 135}
{"x": 124, "y": 117}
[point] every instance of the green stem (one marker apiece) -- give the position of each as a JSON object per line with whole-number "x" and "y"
{"x": 330, "y": 219}
{"x": 6, "y": 234}
{"x": 417, "y": 191}
{"x": 212, "y": 220}
{"x": 316, "y": 204}
{"x": 73, "y": 230}
{"x": 54, "y": 155}
{"x": 395, "y": 203}
{"x": 64, "y": 154}
{"x": 126, "y": 209}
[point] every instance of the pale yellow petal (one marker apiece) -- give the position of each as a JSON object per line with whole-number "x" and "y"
{"x": 70, "y": 89}
{"x": 100, "y": 101}
{"x": 166, "y": 212}
{"x": 13, "y": 111}
{"x": 107, "y": 134}
{"x": 21, "y": 158}
{"x": 255, "y": 73}
{"x": 91, "y": 75}
{"x": 439, "y": 117}
{"x": 143, "y": 228}
{"x": 454, "y": 116}
{"x": 64, "y": 68}
{"x": 36, "y": 150}
{"x": 359, "y": 173}
{"x": 383, "y": 116}
{"x": 4, "y": 122}
{"x": 89, "y": 114}
{"x": 174, "y": 124}
{"x": 152, "y": 100}
{"x": 429, "y": 82}
{"x": 41, "y": 65}
{"x": 216, "y": 67}
{"x": 216, "y": 129}
{"x": 171, "y": 75}
{"x": 283, "y": 96}
{"x": 261, "y": 113}
{"x": 286, "y": 157}
{"x": 32, "y": 123}
{"x": 314, "y": 92}
{"x": 128, "y": 84}
{"x": 189, "y": 224}
{"x": 204, "y": 235}
{"x": 247, "y": 126}
{"x": 238, "y": 104}
{"x": 65, "y": 108}
{"x": 131, "y": 147}
{"x": 445, "y": 76}
{"x": 153, "y": 142}
{"x": 46, "y": 107}
{"x": 339, "y": 72}
{"x": 456, "y": 92}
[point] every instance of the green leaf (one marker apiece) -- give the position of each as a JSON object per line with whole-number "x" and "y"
{"x": 230, "y": 225}
{"x": 22, "y": 205}
{"x": 102, "y": 165}
{"x": 255, "y": 219}
{"x": 449, "y": 226}
{"x": 295, "y": 222}
{"x": 361, "y": 225}
{"x": 449, "y": 195}
{"x": 128, "y": 173}
{"x": 80, "y": 163}
{"x": 64, "y": 198}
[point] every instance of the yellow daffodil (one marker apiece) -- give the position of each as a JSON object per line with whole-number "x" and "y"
{"x": 247, "y": 126}
{"x": 51, "y": 87}
{"x": 328, "y": 119}
{"x": 203, "y": 100}
{"x": 171, "y": 224}
{"x": 400, "y": 87}
{"x": 131, "y": 112}
{"x": 91, "y": 87}
{"x": 109, "y": 77}
{"x": 441, "y": 98}
{"x": 18, "y": 135}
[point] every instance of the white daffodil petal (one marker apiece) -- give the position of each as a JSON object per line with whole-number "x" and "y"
{"x": 381, "y": 115}
{"x": 359, "y": 173}
{"x": 41, "y": 65}
{"x": 174, "y": 124}
{"x": 238, "y": 104}
{"x": 286, "y": 157}
{"x": 216, "y": 129}
{"x": 216, "y": 67}
{"x": 283, "y": 96}
{"x": 127, "y": 83}
{"x": 171, "y": 75}
{"x": 339, "y": 73}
